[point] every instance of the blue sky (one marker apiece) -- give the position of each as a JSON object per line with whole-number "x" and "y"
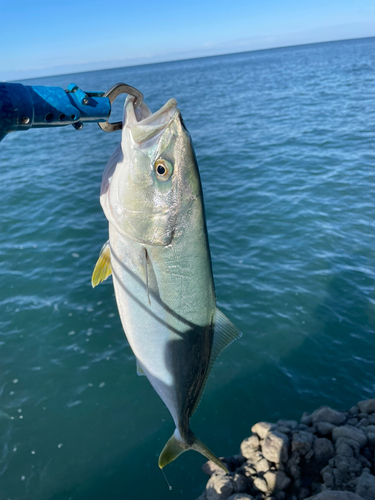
{"x": 40, "y": 37}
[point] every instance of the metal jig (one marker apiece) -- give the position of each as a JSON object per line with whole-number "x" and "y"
{"x": 116, "y": 90}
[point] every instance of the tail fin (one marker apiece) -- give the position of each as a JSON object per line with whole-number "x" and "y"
{"x": 175, "y": 446}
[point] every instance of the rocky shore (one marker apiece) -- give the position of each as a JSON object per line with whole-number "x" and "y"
{"x": 328, "y": 455}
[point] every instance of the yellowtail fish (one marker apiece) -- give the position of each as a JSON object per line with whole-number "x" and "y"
{"x": 159, "y": 258}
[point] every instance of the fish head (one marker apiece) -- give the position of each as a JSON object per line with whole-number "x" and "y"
{"x": 152, "y": 178}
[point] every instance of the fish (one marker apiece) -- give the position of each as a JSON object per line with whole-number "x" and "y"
{"x": 158, "y": 255}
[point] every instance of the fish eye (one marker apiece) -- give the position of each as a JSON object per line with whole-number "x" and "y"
{"x": 163, "y": 169}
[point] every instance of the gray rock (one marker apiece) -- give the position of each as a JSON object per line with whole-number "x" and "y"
{"x": 240, "y": 483}
{"x": 371, "y": 438}
{"x": 351, "y": 433}
{"x": 323, "y": 450}
{"x": 366, "y": 486}
{"x": 324, "y": 428}
{"x": 291, "y": 424}
{"x": 363, "y": 422}
{"x": 352, "y": 421}
{"x": 335, "y": 495}
{"x": 210, "y": 467}
{"x": 372, "y": 418}
{"x": 367, "y": 406}
{"x": 306, "y": 419}
{"x": 248, "y": 469}
{"x": 262, "y": 466}
{"x": 275, "y": 447}
{"x": 262, "y": 428}
{"x": 277, "y": 481}
{"x": 249, "y": 444}
{"x": 280, "y": 495}
{"x": 347, "y": 447}
{"x": 254, "y": 457}
{"x": 326, "y": 414}
{"x": 369, "y": 429}
{"x": 241, "y": 496}
{"x": 260, "y": 484}
{"x": 302, "y": 442}
{"x": 354, "y": 410}
{"x": 219, "y": 487}
{"x": 284, "y": 430}
{"x": 328, "y": 480}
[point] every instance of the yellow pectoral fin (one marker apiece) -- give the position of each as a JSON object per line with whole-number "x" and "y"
{"x": 103, "y": 267}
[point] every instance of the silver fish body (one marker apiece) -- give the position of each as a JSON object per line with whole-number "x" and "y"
{"x": 161, "y": 265}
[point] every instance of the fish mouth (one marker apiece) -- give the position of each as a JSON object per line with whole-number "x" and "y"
{"x": 144, "y": 125}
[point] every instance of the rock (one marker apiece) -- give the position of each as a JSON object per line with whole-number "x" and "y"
{"x": 335, "y": 495}
{"x": 304, "y": 493}
{"x": 372, "y": 418}
{"x": 323, "y": 450}
{"x": 302, "y": 442}
{"x": 351, "y": 433}
{"x": 249, "y": 444}
{"x": 324, "y": 428}
{"x": 275, "y": 447}
{"x": 254, "y": 457}
{"x": 241, "y": 496}
{"x": 209, "y": 468}
{"x": 326, "y": 414}
{"x": 347, "y": 447}
{"x": 260, "y": 484}
{"x": 366, "y": 486}
{"x": 352, "y": 421}
{"x": 280, "y": 495}
{"x": 262, "y": 466}
{"x": 306, "y": 419}
{"x": 328, "y": 480}
{"x": 354, "y": 410}
{"x": 291, "y": 424}
{"x": 371, "y": 438}
{"x": 369, "y": 429}
{"x": 363, "y": 422}
{"x": 277, "y": 481}
{"x": 240, "y": 483}
{"x": 261, "y": 428}
{"x": 367, "y": 406}
{"x": 219, "y": 487}
{"x": 248, "y": 469}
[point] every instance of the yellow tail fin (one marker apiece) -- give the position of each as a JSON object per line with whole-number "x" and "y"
{"x": 175, "y": 446}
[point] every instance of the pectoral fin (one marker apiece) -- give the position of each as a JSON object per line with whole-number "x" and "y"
{"x": 103, "y": 268}
{"x": 140, "y": 371}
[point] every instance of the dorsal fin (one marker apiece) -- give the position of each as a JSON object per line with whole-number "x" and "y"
{"x": 224, "y": 334}
{"x": 103, "y": 268}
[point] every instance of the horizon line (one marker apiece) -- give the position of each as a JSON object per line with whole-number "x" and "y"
{"x": 199, "y": 57}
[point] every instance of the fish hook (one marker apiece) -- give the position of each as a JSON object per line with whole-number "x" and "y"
{"x": 116, "y": 90}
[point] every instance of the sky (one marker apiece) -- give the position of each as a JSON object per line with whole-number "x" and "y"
{"x": 41, "y": 38}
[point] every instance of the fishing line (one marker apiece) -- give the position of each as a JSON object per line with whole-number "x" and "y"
{"x": 166, "y": 480}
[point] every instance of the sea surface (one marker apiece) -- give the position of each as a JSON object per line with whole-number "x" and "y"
{"x": 285, "y": 145}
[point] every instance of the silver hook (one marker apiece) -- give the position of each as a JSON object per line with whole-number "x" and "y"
{"x": 116, "y": 90}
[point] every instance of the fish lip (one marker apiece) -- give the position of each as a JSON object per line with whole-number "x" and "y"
{"x": 145, "y": 126}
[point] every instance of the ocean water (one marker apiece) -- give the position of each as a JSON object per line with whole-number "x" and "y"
{"x": 285, "y": 145}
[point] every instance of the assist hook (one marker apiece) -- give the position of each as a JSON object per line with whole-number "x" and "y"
{"x": 116, "y": 90}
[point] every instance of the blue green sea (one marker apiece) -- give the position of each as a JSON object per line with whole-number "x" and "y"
{"x": 285, "y": 144}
